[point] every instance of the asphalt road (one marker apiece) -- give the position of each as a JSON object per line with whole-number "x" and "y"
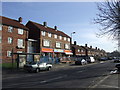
{"x": 67, "y": 77}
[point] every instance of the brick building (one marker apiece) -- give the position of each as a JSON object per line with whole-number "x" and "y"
{"x": 13, "y": 37}
{"x": 49, "y": 41}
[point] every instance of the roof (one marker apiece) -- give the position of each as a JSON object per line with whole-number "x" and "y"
{"x": 78, "y": 47}
{"x": 12, "y": 22}
{"x": 50, "y": 30}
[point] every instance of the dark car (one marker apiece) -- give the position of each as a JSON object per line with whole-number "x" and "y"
{"x": 118, "y": 66}
{"x": 80, "y": 61}
{"x": 117, "y": 60}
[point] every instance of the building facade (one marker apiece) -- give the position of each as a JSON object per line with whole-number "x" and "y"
{"x": 13, "y": 37}
{"x": 50, "y": 41}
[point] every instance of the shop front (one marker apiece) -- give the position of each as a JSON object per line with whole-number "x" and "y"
{"x": 58, "y": 53}
{"x": 68, "y": 52}
{"x": 47, "y": 55}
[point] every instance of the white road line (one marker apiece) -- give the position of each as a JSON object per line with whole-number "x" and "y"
{"x": 100, "y": 82}
{"x": 108, "y": 86}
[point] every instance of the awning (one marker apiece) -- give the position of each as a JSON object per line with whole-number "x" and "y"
{"x": 68, "y": 52}
{"x": 47, "y": 50}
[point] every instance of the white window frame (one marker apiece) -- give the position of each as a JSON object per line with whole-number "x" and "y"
{"x": 55, "y": 36}
{"x": 43, "y": 33}
{"x": 78, "y": 50}
{"x": 68, "y": 39}
{"x": 49, "y": 35}
{"x": 20, "y": 43}
{"x": 8, "y": 53}
{"x": 0, "y": 39}
{"x": 10, "y": 29}
{"x": 65, "y": 38}
{"x": 20, "y": 31}
{"x": 60, "y": 37}
{"x": 67, "y": 46}
{"x": 46, "y": 43}
{"x": 10, "y": 40}
{"x": 58, "y": 44}
{"x": 0, "y": 27}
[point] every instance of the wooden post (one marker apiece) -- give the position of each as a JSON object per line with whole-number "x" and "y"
{"x": 12, "y": 58}
{"x": 17, "y": 61}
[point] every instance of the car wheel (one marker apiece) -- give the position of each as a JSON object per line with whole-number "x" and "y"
{"x": 37, "y": 70}
{"x": 49, "y": 68}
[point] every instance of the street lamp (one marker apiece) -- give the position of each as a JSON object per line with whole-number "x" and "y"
{"x": 71, "y": 36}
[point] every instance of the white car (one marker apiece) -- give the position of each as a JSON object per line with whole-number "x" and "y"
{"x": 37, "y": 66}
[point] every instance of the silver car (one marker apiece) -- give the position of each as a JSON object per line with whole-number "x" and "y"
{"x": 37, "y": 66}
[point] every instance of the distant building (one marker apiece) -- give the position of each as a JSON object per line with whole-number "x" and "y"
{"x": 13, "y": 37}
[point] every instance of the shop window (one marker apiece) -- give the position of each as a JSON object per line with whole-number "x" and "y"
{"x": 10, "y": 29}
{"x": 20, "y": 31}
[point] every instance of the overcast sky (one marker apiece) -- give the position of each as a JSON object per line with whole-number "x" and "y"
{"x": 67, "y": 16}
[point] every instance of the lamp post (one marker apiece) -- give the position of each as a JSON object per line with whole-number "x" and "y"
{"x": 71, "y": 36}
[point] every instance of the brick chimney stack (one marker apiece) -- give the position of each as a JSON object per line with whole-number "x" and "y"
{"x": 45, "y": 23}
{"x": 20, "y": 19}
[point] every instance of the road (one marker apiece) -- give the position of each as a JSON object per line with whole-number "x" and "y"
{"x": 67, "y": 77}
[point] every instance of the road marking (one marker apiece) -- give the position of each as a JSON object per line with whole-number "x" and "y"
{"x": 100, "y": 82}
{"x": 108, "y": 86}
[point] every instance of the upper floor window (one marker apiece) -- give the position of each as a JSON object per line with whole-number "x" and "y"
{"x": 49, "y": 35}
{"x": 78, "y": 50}
{"x": 0, "y": 27}
{"x": 20, "y": 43}
{"x": 60, "y": 37}
{"x": 68, "y": 39}
{"x": 43, "y": 33}
{"x": 20, "y": 31}
{"x": 67, "y": 46}
{"x": 0, "y": 39}
{"x": 10, "y": 29}
{"x": 8, "y": 53}
{"x": 10, "y": 40}
{"x": 65, "y": 38}
{"x": 82, "y": 50}
{"x": 58, "y": 45}
{"x": 46, "y": 43}
{"x": 55, "y": 36}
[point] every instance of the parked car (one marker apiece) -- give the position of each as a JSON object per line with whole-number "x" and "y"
{"x": 37, "y": 66}
{"x": 118, "y": 66}
{"x": 103, "y": 58}
{"x": 117, "y": 60}
{"x": 80, "y": 61}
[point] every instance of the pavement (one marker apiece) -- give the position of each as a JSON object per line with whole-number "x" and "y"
{"x": 112, "y": 80}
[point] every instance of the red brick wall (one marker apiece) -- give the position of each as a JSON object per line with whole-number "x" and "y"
{"x": 8, "y": 47}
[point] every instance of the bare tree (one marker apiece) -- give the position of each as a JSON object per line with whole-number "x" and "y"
{"x": 109, "y": 18}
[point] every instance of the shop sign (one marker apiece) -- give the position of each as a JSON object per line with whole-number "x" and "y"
{"x": 58, "y": 50}
{"x": 68, "y": 52}
{"x": 47, "y": 50}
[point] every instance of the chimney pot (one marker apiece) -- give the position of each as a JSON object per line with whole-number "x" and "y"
{"x": 85, "y": 45}
{"x": 75, "y": 43}
{"x": 90, "y": 47}
{"x": 45, "y": 23}
{"x": 20, "y": 19}
{"x": 55, "y": 27}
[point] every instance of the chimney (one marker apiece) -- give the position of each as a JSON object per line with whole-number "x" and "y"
{"x": 45, "y": 23}
{"x": 55, "y": 27}
{"x": 96, "y": 48}
{"x": 85, "y": 45}
{"x": 90, "y": 47}
{"x": 75, "y": 43}
{"x": 20, "y": 19}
